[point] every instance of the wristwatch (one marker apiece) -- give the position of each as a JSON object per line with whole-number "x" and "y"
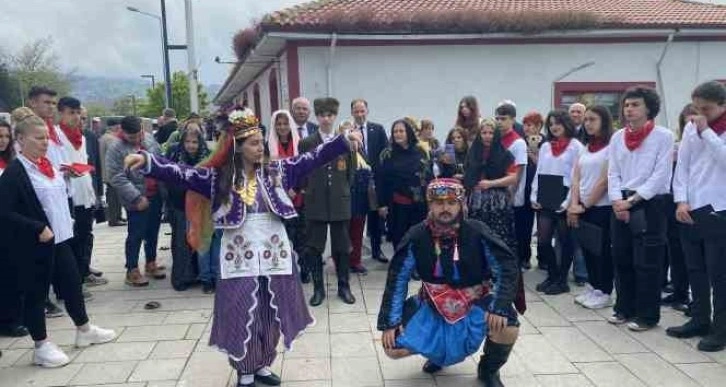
{"x": 633, "y": 200}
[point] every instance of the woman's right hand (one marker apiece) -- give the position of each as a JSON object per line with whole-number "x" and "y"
{"x": 383, "y": 212}
{"x": 134, "y": 161}
{"x": 46, "y": 235}
{"x": 388, "y": 338}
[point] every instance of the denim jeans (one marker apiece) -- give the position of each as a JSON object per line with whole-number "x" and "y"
{"x": 209, "y": 261}
{"x": 143, "y": 226}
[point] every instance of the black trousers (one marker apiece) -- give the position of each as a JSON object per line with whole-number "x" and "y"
{"x": 638, "y": 260}
{"x": 523, "y": 224}
{"x": 82, "y": 242}
{"x": 550, "y": 223}
{"x": 402, "y": 217}
{"x": 706, "y": 263}
{"x": 317, "y": 237}
{"x": 113, "y": 209}
{"x": 375, "y": 232}
{"x": 60, "y": 268}
{"x": 675, "y": 258}
{"x": 184, "y": 268}
{"x": 600, "y": 268}
{"x": 296, "y": 231}
{"x": 11, "y": 295}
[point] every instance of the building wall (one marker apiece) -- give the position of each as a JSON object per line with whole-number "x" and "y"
{"x": 263, "y": 80}
{"x": 429, "y": 81}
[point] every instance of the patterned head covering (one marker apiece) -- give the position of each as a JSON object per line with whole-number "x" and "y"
{"x": 445, "y": 189}
{"x": 242, "y": 123}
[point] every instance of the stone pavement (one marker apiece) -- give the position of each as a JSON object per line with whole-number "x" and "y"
{"x": 561, "y": 344}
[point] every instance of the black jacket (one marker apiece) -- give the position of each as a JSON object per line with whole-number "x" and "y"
{"x": 376, "y": 142}
{"x": 94, "y": 158}
{"x": 165, "y": 131}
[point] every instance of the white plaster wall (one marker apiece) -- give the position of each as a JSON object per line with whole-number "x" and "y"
{"x": 428, "y": 81}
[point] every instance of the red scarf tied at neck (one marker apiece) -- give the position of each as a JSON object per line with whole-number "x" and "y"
{"x": 45, "y": 167}
{"x": 634, "y": 139}
{"x": 596, "y": 144}
{"x": 74, "y": 135}
{"x": 3, "y": 163}
{"x": 719, "y": 126}
{"x": 51, "y": 132}
{"x": 559, "y": 145}
{"x": 509, "y": 138}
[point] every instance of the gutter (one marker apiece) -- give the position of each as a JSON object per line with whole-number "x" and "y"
{"x": 659, "y": 76}
{"x": 329, "y": 67}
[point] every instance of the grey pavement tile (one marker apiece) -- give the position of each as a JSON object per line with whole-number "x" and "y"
{"x": 706, "y": 374}
{"x": 104, "y": 373}
{"x": 655, "y": 371}
{"x": 11, "y": 356}
{"x": 158, "y": 369}
{"x": 541, "y": 357}
{"x": 610, "y": 337}
{"x": 206, "y": 369}
{"x": 574, "y": 345}
{"x": 564, "y": 305}
{"x": 313, "y": 345}
{"x": 349, "y": 322}
{"x": 311, "y": 383}
{"x": 116, "y": 352}
{"x": 336, "y": 305}
{"x": 188, "y": 317}
{"x": 31, "y": 376}
{"x": 154, "y": 333}
{"x": 175, "y": 304}
{"x": 6, "y": 342}
{"x": 609, "y": 374}
{"x": 671, "y": 349}
{"x": 128, "y": 320}
{"x": 195, "y": 331}
{"x": 466, "y": 367}
{"x": 138, "y": 384}
{"x": 564, "y": 380}
{"x": 408, "y": 368}
{"x": 66, "y": 337}
{"x": 526, "y": 327}
{"x": 541, "y": 314}
{"x": 457, "y": 381}
{"x": 173, "y": 349}
{"x": 355, "y": 344}
{"x": 356, "y": 371}
{"x": 305, "y": 369}
{"x": 410, "y": 383}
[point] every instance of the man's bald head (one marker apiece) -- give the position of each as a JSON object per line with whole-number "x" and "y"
{"x": 300, "y": 110}
{"x": 577, "y": 113}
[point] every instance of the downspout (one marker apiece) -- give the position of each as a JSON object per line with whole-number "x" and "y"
{"x": 659, "y": 77}
{"x": 333, "y": 42}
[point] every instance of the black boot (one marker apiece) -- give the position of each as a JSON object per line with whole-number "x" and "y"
{"x": 316, "y": 270}
{"x": 494, "y": 357}
{"x": 342, "y": 264}
{"x": 304, "y": 272}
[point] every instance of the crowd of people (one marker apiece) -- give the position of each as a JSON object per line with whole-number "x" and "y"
{"x": 633, "y": 213}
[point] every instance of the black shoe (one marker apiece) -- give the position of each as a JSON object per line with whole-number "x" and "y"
{"x": 556, "y": 288}
{"x": 345, "y": 294}
{"x": 270, "y": 380}
{"x": 672, "y": 299}
{"x": 543, "y": 285}
{"x": 712, "y": 343}
{"x": 668, "y": 288}
{"x": 381, "y": 258}
{"x": 688, "y": 330}
{"x": 13, "y": 331}
{"x": 207, "y": 288}
{"x": 526, "y": 265}
{"x": 52, "y": 310}
{"x": 687, "y": 312}
{"x": 359, "y": 270}
{"x": 430, "y": 367}
{"x": 494, "y": 357}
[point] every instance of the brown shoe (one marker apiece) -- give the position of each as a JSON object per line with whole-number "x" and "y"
{"x": 154, "y": 271}
{"x": 134, "y": 278}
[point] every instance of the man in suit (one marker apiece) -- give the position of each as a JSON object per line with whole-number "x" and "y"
{"x": 327, "y": 204}
{"x": 301, "y": 115}
{"x": 577, "y": 114}
{"x": 374, "y": 141}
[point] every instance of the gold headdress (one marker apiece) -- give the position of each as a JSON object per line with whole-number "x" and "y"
{"x": 243, "y": 123}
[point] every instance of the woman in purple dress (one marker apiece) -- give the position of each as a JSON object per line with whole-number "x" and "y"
{"x": 259, "y": 295}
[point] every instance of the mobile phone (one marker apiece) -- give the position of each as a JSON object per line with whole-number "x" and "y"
{"x": 450, "y": 151}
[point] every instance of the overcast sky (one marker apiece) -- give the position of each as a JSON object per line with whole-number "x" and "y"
{"x": 100, "y": 37}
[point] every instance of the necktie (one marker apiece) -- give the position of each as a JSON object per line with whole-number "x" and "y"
{"x": 365, "y": 143}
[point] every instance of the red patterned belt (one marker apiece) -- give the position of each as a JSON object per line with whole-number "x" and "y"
{"x": 452, "y": 304}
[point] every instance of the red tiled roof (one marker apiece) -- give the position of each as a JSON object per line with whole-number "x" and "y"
{"x": 394, "y": 15}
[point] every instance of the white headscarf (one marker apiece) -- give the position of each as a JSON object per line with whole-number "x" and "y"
{"x": 273, "y": 141}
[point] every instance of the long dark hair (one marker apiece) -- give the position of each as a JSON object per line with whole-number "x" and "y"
{"x": 462, "y": 133}
{"x": 563, "y": 118}
{"x": 494, "y": 167}
{"x": 473, "y": 121}
{"x": 606, "y": 124}
{"x": 688, "y": 110}
{"x": 410, "y": 136}
{"x": 8, "y": 154}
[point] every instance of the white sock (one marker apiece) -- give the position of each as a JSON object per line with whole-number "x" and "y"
{"x": 264, "y": 371}
{"x": 247, "y": 379}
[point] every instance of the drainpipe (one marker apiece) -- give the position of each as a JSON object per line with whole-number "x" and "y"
{"x": 659, "y": 77}
{"x": 333, "y": 42}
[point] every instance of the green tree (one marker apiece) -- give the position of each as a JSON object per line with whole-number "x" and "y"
{"x": 128, "y": 105}
{"x": 37, "y": 64}
{"x": 179, "y": 94}
{"x": 97, "y": 110}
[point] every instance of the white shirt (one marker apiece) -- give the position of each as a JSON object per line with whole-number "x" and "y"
{"x": 80, "y": 189}
{"x": 327, "y": 136}
{"x": 518, "y": 149}
{"x": 646, "y": 170}
{"x": 561, "y": 165}
{"x": 701, "y": 169}
{"x": 56, "y": 154}
{"x": 303, "y": 130}
{"x": 591, "y": 169}
{"x": 52, "y": 196}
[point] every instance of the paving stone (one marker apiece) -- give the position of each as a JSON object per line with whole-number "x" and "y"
{"x": 159, "y": 369}
{"x": 610, "y": 337}
{"x": 154, "y": 333}
{"x": 305, "y": 369}
{"x": 206, "y": 369}
{"x": 173, "y": 349}
{"x": 349, "y": 322}
{"x": 541, "y": 357}
{"x": 609, "y": 374}
{"x": 38, "y": 377}
{"x": 356, "y": 371}
{"x": 352, "y": 345}
{"x": 566, "y": 380}
{"x": 565, "y": 306}
{"x": 188, "y": 317}
{"x": 574, "y": 345}
{"x": 671, "y": 349}
{"x": 408, "y": 368}
{"x": 104, "y": 373}
{"x": 541, "y": 314}
{"x": 706, "y": 374}
{"x": 10, "y": 356}
{"x": 655, "y": 371}
{"x": 310, "y": 345}
{"x": 195, "y": 331}
{"x": 115, "y": 352}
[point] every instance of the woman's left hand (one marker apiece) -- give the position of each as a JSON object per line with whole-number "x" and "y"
{"x": 133, "y": 162}
{"x": 573, "y": 220}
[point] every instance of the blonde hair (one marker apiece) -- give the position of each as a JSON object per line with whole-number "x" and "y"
{"x": 347, "y": 124}
{"x": 25, "y": 119}
{"x": 488, "y": 122}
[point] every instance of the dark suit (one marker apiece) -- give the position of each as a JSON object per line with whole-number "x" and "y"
{"x": 310, "y": 128}
{"x": 376, "y": 141}
{"x": 327, "y": 203}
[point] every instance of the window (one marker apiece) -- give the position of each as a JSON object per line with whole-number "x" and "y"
{"x": 274, "y": 98}
{"x": 594, "y": 93}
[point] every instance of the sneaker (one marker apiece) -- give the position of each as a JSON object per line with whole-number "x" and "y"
{"x": 96, "y": 272}
{"x": 638, "y": 325}
{"x": 93, "y": 280}
{"x": 617, "y": 319}
{"x": 598, "y": 300}
{"x": 94, "y": 335}
{"x": 557, "y": 288}
{"x": 52, "y": 310}
{"x": 134, "y": 278}
{"x": 50, "y": 356}
{"x": 712, "y": 343}
{"x": 155, "y": 271}
{"x": 584, "y": 295}
{"x": 688, "y": 330}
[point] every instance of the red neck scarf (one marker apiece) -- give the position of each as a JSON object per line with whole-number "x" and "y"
{"x": 634, "y": 139}
{"x": 596, "y": 144}
{"x": 559, "y": 145}
{"x": 719, "y": 126}
{"x": 51, "y": 132}
{"x": 74, "y": 135}
{"x": 286, "y": 150}
{"x": 3, "y": 163}
{"x": 45, "y": 167}
{"x": 509, "y": 138}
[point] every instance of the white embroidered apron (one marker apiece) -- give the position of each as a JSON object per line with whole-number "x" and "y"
{"x": 259, "y": 248}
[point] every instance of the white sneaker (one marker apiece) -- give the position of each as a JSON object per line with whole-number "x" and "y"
{"x": 94, "y": 335}
{"x": 582, "y": 297}
{"x": 598, "y": 300}
{"x": 50, "y": 356}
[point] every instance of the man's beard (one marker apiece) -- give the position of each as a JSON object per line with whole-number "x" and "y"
{"x": 449, "y": 221}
